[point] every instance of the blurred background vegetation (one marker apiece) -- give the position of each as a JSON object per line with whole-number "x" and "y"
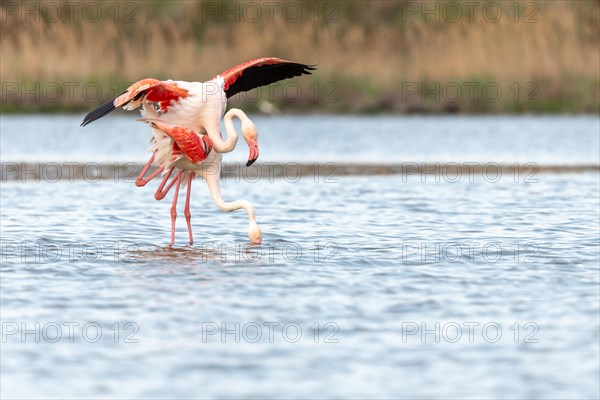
{"x": 372, "y": 56}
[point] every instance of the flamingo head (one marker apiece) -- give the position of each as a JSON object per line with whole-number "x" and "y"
{"x": 250, "y": 135}
{"x": 254, "y": 233}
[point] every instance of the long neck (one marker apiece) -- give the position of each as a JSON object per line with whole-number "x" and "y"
{"x": 232, "y": 135}
{"x": 214, "y": 187}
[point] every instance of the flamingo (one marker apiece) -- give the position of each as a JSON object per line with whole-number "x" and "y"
{"x": 185, "y": 129}
{"x": 179, "y": 149}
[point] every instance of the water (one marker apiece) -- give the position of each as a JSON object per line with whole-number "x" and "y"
{"x": 562, "y": 140}
{"x": 385, "y": 286}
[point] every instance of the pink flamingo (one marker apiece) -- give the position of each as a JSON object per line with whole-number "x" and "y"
{"x": 185, "y": 129}
{"x": 182, "y": 150}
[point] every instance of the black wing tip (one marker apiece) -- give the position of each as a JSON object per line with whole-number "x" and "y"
{"x": 98, "y": 113}
{"x": 101, "y": 111}
{"x": 305, "y": 68}
{"x": 308, "y": 70}
{"x": 257, "y": 76}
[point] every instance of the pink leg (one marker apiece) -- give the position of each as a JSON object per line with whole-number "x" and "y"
{"x": 160, "y": 193}
{"x": 140, "y": 181}
{"x": 174, "y": 206}
{"x": 186, "y": 210}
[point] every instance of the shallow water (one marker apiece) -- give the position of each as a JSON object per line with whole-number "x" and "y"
{"x": 335, "y": 138}
{"x": 384, "y": 286}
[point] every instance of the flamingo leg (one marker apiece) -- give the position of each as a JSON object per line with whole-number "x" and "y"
{"x": 186, "y": 210}
{"x": 174, "y": 206}
{"x": 160, "y": 193}
{"x": 140, "y": 181}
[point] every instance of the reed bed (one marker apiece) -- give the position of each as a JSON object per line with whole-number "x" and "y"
{"x": 372, "y": 56}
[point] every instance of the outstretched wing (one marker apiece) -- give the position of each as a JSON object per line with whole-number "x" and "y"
{"x": 149, "y": 89}
{"x": 261, "y": 72}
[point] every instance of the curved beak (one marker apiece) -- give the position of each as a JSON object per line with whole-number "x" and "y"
{"x": 253, "y": 145}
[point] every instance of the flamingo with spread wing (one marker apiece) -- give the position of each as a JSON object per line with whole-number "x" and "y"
{"x": 185, "y": 119}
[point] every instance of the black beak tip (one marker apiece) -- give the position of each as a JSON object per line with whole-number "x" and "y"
{"x": 250, "y": 162}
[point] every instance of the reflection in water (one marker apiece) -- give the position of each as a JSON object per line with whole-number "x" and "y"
{"x": 174, "y": 254}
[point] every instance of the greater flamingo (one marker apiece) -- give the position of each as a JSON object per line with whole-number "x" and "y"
{"x": 189, "y": 154}
{"x": 187, "y": 128}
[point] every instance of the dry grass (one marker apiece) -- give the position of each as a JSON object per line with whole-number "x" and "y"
{"x": 370, "y": 51}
